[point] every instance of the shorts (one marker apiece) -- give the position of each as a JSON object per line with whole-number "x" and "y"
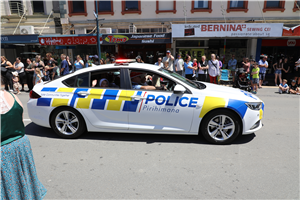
{"x": 277, "y": 71}
{"x": 232, "y": 68}
{"x": 262, "y": 76}
{"x": 255, "y": 80}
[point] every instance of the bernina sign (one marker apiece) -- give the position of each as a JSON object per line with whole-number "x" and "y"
{"x": 227, "y": 30}
{"x": 157, "y": 38}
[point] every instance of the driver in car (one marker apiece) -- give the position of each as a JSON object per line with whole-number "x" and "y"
{"x": 138, "y": 82}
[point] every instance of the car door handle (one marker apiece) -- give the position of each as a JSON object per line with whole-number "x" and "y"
{"x": 83, "y": 93}
{"x": 138, "y": 97}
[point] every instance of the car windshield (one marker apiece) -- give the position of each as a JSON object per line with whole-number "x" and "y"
{"x": 181, "y": 78}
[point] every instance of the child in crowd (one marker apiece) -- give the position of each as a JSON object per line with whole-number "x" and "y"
{"x": 38, "y": 78}
{"x": 293, "y": 88}
{"x": 283, "y": 87}
{"x": 255, "y": 77}
{"x": 243, "y": 77}
{"x": 16, "y": 83}
{"x": 195, "y": 64}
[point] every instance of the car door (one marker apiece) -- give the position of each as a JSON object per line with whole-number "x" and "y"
{"x": 162, "y": 111}
{"x": 103, "y": 106}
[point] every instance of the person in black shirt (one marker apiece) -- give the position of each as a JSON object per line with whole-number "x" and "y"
{"x": 49, "y": 62}
{"x": 294, "y": 88}
{"x": 286, "y": 70}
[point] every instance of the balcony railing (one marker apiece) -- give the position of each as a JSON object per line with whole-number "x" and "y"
{"x": 17, "y": 8}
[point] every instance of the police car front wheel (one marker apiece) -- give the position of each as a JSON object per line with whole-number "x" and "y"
{"x": 220, "y": 127}
{"x": 67, "y": 123}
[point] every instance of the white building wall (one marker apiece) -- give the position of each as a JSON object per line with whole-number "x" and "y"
{"x": 149, "y": 7}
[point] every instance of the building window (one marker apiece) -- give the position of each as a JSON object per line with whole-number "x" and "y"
{"x": 296, "y": 6}
{"x": 105, "y": 7}
{"x": 77, "y": 8}
{"x": 237, "y": 6}
{"x": 274, "y": 6}
{"x": 38, "y": 6}
{"x": 16, "y": 7}
{"x": 165, "y": 6}
{"x": 201, "y": 6}
{"x": 130, "y": 7}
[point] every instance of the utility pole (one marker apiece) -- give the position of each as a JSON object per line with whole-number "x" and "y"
{"x": 98, "y": 37}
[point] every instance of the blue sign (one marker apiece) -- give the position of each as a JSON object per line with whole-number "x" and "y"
{"x": 19, "y": 39}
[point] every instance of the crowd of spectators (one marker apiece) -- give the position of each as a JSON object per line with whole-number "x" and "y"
{"x": 38, "y": 70}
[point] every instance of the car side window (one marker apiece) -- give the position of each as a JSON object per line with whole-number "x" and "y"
{"x": 147, "y": 78}
{"x": 106, "y": 79}
{"x": 81, "y": 80}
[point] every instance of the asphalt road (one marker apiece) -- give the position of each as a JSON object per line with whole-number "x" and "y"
{"x": 264, "y": 165}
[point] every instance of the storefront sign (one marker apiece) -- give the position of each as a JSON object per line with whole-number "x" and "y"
{"x": 68, "y": 40}
{"x": 19, "y": 39}
{"x": 156, "y": 38}
{"x": 280, "y": 43}
{"x": 194, "y": 53}
{"x": 227, "y": 30}
{"x": 295, "y": 31}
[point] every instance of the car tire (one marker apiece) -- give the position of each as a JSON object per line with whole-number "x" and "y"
{"x": 213, "y": 130}
{"x": 67, "y": 123}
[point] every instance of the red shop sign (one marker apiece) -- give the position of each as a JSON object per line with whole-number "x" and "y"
{"x": 72, "y": 40}
{"x": 280, "y": 43}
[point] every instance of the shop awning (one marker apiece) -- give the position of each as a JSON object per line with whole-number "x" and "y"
{"x": 19, "y": 39}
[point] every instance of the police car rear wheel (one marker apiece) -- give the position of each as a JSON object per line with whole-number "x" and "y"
{"x": 67, "y": 123}
{"x": 220, "y": 127}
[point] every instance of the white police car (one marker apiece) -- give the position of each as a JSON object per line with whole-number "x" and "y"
{"x": 142, "y": 98}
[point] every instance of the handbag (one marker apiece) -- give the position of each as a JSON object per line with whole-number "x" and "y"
{"x": 3, "y": 69}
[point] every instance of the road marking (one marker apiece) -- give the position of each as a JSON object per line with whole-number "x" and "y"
{"x": 26, "y": 120}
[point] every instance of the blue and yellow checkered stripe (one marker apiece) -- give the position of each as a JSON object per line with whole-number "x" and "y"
{"x": 99, "y": 99}
{"x": 239, "y": 106}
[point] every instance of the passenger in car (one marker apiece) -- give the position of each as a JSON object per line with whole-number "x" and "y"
{"x": 102, "y": 83}
{"x": 137, "y": 82}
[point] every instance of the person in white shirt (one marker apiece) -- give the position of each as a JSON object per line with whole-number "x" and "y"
{"x": 213, "y": 69}
{"x": 159, "y": 63}
{"x": 203, "y": 67}
{"x": 179, "y": 64}
{"x": 19, "y": 67}
{"x": 232, "y": 66}
{"x": 170, "y": 59}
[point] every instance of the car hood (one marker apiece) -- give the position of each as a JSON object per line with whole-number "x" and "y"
{"x": 217, "y": 90}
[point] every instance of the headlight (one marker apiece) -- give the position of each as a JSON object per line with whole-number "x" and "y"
{"x": 254, "y": 105}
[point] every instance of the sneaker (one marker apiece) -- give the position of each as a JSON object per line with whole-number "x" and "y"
{"x": 194, "y": 75}
{"x": 11, "y": 90}
{"x": 280, "y": 91}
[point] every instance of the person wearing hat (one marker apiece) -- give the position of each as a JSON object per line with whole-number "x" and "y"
{"x": 139, "y": 59}
{"x": 137, "y": 82}
{"x": 294, "y": 89}
{"x": 170, "y": 59}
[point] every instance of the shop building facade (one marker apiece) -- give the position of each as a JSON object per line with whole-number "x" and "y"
{"x": 152, "y": 17}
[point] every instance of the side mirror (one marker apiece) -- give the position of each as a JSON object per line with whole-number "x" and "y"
{"x": 179, "y": 89}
